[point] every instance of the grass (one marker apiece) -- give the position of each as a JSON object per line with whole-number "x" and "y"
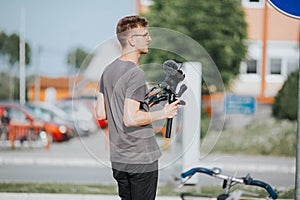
{"x": 163, "y": 190}
{"x": 57, "y": 188}
{"x": 260, "y": 137}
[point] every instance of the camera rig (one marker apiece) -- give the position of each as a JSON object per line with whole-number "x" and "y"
{"x": 166, "y": 91}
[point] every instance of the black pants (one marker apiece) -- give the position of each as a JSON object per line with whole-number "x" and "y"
{"x": 137, "y": 184}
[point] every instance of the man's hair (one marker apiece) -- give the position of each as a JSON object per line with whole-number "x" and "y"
{"x": 127, "y": 23}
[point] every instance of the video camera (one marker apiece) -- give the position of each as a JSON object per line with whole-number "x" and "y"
{"x": 167, "y": 90}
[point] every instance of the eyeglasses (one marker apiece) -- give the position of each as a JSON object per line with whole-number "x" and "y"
{"x": 146, "y": 35}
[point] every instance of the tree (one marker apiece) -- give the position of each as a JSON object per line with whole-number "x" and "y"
{"x": 286, "y": 101}
{"x": 3, "y": 40}
{"x": 79, "y": 58}
{"x": 9, "y": 48}
{"x": 12, "y": 49}
{"x": 219, "y": 26}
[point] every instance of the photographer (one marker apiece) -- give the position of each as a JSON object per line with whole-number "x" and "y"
{"x": 134, "y": 152}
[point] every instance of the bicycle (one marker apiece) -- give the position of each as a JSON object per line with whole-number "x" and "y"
{"x": 228, "y": 182}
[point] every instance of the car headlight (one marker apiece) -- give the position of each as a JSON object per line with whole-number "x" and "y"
{"x": 62, "y": 129}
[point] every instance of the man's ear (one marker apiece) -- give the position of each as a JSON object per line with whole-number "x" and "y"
{"x": 131, "y": 41}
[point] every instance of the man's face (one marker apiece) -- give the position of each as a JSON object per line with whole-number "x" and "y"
{"x": 142, "y": 39}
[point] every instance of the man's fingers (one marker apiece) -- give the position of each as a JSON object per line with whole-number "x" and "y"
{"x": 176, "y": 102}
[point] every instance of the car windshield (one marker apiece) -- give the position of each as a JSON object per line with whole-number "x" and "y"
{"x": 31, "y": 112}
{"x": 39, "y": 113}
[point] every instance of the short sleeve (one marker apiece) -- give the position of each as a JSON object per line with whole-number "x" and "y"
{"x": 136, "y": 85}
{"x": 101, "y": 86}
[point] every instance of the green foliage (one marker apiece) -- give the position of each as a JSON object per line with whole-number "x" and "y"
{"x": 3, "y": 41}
{"x": 219, "y": 26}
{"x": 58, "y": 188}
{"x": 9, "y": 45}
{"x": 3, "y": 86}
{"x": 286, "y": 101}
{"x": 163, "y": 190}
{"x": 10, "y": 51}
{"x": 5, "y": 79}
{"x": 79, "y": 58}
{"x": 266, "y": 136}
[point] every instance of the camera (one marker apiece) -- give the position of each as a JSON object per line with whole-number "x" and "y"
{"x": 166, "y": 91}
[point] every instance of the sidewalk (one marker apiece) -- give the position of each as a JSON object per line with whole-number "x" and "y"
{"x": 39, "y": 196}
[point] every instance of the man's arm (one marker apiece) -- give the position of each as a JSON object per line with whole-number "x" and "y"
{"x": 100, "y": 107}
{"x": 133, "y": 116}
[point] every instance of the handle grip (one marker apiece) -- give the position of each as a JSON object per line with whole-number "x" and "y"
{"x": 197, "y": 169}
{"x": 171, "y": 99}
{"x": 266, "y": 186}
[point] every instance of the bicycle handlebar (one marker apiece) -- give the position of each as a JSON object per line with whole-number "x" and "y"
{"x": 192, "y": 171}
{"x": 266, "y": 186}
{"x": 243, "y": 180}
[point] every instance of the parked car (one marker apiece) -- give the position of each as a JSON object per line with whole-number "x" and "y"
{"x": 51, "y": 113}
{"x": 91, "y": 102}
{"x": 81, "y": 114}
{"x": 27, "y": 126}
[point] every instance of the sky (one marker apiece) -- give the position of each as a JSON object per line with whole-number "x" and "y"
{"x": 59, "y": 26}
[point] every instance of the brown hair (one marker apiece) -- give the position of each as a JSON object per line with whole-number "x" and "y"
{"x": 127, "y": 23}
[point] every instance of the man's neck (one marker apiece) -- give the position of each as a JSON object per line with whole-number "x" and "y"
{"x": 131, "y": 56}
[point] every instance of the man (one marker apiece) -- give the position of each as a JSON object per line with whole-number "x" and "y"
{"x": 134, "y": 151}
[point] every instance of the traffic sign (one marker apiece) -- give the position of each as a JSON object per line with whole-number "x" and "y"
{"x": 287, "y": 7}
{"x": 239, "y": 104}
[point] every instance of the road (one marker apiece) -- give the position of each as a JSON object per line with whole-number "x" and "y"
{"x": 85, "y": 160}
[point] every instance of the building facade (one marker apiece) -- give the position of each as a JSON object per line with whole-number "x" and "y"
{"x": 273, "y": 50}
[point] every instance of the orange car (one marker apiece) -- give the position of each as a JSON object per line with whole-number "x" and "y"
{"x": 25, "y": 126}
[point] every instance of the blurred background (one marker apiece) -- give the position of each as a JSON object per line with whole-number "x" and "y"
{"x": 49, "y": 70}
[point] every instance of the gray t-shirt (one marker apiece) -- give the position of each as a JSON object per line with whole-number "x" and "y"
{"x": 136, "y": 144}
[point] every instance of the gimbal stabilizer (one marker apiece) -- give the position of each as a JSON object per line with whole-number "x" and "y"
{"x": 167, "y": 90}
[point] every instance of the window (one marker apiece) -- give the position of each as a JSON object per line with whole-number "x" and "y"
{"x": 251, "y": 66}
{"x": 253, "y": 3}
{"x": 275, "y": 66}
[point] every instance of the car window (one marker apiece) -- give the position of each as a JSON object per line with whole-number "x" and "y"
{"x": 17, "y": 115}
{"x": 41, "y": 113}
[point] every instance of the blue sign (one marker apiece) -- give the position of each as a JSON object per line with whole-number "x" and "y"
{"x": 239, "y": 104}
{"x": 287, "y": 7}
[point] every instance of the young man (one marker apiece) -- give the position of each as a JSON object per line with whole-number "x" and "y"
{"x": 134, "y": 151}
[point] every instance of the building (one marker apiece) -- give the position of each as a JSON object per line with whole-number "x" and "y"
{"x": 52, "y": 89}
{"x": 273, "y": 49}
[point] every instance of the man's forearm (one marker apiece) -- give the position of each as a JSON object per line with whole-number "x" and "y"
{"x": 141, "y": 118}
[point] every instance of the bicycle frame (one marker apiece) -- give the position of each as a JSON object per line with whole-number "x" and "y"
{"x": 229, "y": 181}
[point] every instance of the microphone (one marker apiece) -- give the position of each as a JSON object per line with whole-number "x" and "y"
{"x": 170, "y": 67}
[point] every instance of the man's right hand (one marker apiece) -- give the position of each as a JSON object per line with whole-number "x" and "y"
{"x": 171, "y": 110}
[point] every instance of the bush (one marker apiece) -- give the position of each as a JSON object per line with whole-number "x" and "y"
{"x": 286, "y": 101}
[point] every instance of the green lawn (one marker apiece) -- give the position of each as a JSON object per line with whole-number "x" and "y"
{"x": 163, "y": 190}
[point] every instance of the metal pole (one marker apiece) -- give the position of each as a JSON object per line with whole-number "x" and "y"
{"x": 37, "y": 82}
{"x": 297, "y": 178}
{"x": 22, "y": 57}
{"x": 264, "y": 52}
